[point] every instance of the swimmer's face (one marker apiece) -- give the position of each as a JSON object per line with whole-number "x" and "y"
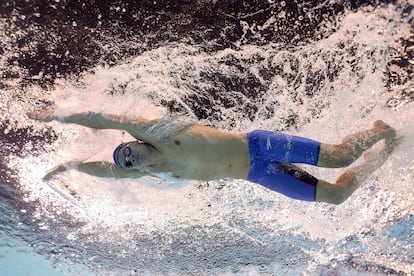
{"x": 136, "y": 155}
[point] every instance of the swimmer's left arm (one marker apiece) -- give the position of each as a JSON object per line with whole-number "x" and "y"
{"x": 88, "y": 119}
{"x": 134, "y": 126}
{"x": 99, "y": 120}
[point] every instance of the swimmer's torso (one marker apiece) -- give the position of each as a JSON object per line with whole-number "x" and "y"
{"x": 202, "y": 153}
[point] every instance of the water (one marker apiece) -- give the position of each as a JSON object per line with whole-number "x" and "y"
{"x": 319, "y": 70}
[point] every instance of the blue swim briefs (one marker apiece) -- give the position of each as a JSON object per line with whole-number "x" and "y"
{"x": 271, "y": 155}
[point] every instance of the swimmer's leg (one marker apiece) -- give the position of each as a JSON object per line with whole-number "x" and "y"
{"x": 351, "y": 148}
{"x": 351, "y": 179}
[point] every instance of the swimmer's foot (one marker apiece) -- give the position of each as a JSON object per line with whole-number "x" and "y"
{"x": 387, "y": 148}
{"x": 370, "y": 155}
{"x": 391, "y": 144}
{"x": 385, "y": 130}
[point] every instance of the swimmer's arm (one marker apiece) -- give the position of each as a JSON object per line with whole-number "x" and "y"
{"x": 108, "y": 170}
{"x": 137, "y": 127}
{"x": 101, "y": 121}
{"x": 100, "y": 169}
{"x": 134, "y": 126}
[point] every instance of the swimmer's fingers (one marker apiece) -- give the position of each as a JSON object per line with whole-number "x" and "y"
{"x": 45, "y": 115}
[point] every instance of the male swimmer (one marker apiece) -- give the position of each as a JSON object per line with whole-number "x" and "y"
{"x": 193, "y": 151}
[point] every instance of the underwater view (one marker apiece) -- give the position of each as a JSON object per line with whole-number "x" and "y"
{"x": 318, "y": 69}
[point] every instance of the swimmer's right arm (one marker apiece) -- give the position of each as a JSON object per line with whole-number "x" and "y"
{"x": 100, "y": 169}
{"x": 108, "y": 170}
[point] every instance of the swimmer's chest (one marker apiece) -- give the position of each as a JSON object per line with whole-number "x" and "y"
{"x": 206, "y": 155}
{"x": 200, "y": 147}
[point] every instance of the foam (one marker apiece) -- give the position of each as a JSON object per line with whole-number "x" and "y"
{"x": 147, "y": 217}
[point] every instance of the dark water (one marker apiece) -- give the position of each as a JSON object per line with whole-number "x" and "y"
{"x": 64, "y": 38}
{"x": 44, "y": 42}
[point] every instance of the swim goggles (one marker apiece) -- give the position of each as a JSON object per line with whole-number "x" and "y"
{"x": 127, "y": 153}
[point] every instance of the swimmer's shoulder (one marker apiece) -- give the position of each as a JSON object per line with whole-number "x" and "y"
{"x": 164, "y": 129}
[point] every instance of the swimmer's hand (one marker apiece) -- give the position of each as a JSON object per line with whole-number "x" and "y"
{"x": 45, "y": 115}
{"x": 61, "y": 168}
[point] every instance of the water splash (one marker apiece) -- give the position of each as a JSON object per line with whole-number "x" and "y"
{"x": 313, "y": 87}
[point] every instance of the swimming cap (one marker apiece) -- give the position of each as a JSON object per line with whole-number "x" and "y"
{"x": 116, "y": 152}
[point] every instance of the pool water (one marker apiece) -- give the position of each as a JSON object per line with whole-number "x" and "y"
{"x": 322, "y": 71}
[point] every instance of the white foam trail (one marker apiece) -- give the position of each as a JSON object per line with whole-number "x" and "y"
{"x": 148, "y": 207}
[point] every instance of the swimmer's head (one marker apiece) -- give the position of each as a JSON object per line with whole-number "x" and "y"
{"x": 135, "y": 155}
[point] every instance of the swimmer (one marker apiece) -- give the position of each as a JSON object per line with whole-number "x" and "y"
{"x": 197, "y": 152}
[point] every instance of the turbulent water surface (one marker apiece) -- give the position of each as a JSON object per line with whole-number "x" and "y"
{"x": 321, "y": 69}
